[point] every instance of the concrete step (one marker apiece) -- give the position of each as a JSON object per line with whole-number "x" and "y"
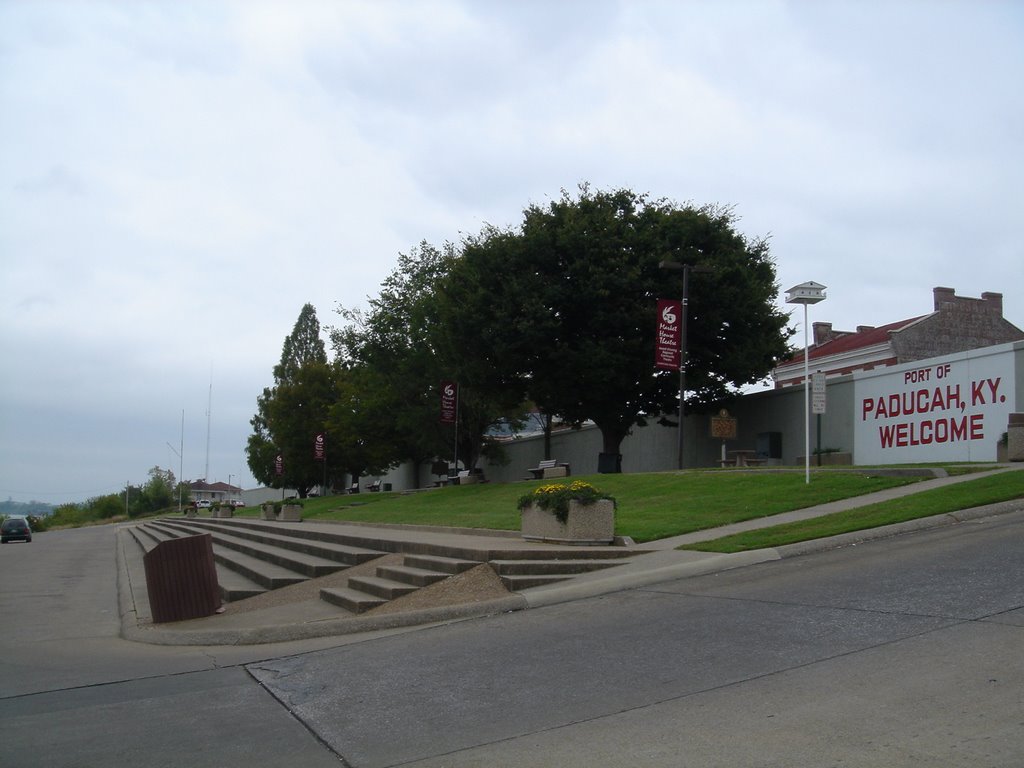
{"x": 387, "y": 589}
{"x": 267, "y": 575}
{"x": 407, "y": 574}
{"x": 351, "y": 600}
{"x": 286, "y": 539}
{"x": 307, "y": 565}
{"x": 550, "y": 567}
{"x": 234, "y": 586}
{"x": 142, "y": 537}
{"x": 441, "y": 564}
{"x": 567, "y": 554}
{"x": 149, "y": 535}
{"x": 515, "y": 583}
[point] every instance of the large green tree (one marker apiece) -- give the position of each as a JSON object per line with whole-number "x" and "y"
{"x": 399, "y": 352}
{"x": 290, "y": 414}
{"x": 564, "y": 307}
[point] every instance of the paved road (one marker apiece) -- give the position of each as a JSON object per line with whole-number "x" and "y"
{"x": 902, "y": 652}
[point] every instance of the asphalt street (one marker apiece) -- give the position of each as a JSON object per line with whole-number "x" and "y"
{"x": 899, "y": 652}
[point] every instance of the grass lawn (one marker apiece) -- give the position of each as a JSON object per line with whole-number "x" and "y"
{"x": 986, "y": 489}
{"x": 650, "y": 505}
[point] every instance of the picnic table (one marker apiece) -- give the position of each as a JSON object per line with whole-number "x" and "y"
{"x": 744, "y": 458}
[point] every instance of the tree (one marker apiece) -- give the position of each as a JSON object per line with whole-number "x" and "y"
{"x": 157, "y": 493}
{"x": 290, "y": 414}
{"x": 565, "y": 307}
{"x": 400, "y": 352}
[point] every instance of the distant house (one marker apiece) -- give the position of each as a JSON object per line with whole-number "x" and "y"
{"x": 200, "y": 490}
{"x": 957, "y": 324}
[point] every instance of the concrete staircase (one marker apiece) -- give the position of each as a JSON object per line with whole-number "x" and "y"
{"x": 253, "y": 556}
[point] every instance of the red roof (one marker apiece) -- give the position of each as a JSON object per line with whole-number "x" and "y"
{"x": 852, "y": 341}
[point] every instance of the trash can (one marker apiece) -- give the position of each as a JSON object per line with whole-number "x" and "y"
{"x": 181, "y": 579}
{"x": 609, "y": 463}
{"x": 386, "y": 486}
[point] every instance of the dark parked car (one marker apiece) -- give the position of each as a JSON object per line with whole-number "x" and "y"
{"x": 15, "y": 529}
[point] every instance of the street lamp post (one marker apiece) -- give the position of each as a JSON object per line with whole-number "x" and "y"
{"x": 684, "y": 311}
{"x": 181, "y": 461}
{"x": 806, "y": 293}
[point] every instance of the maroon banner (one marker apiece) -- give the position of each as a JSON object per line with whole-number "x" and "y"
{"x": 319, "y": 447}
{"x": 668, "y": 346}
{"x": 279, "y": 464}
{"x": 449, "y": 402}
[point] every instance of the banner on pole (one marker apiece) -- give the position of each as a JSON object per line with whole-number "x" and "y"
{"x": 668, "y": 348}
{"x": 279, "y": 465}
{"x": 449, "y": 401}
{"x": 319, "y": 447}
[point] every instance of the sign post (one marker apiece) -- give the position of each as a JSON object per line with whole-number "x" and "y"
{"x": 723, "y": 427}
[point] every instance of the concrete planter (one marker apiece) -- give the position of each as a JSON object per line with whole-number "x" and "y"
{"x": 267, "y": 512}
{"x": 593, "y": 524}
{"x": 291, "y": 513}
{"x": 224, "y": 512}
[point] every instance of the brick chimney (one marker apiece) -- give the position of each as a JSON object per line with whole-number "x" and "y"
{"x": 822, "y": 333}
{"x": 994, "y": 300}
{"x": 943, "y": 296}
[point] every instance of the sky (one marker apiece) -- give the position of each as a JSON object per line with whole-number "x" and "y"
{"x": 178, "y": 178}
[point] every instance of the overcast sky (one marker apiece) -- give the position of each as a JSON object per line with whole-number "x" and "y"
{"x": 178, "y": 178}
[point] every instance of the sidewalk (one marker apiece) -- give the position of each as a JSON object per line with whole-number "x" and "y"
{"x": 301, "y": 614}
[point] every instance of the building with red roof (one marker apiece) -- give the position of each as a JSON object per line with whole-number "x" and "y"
{"x": 957, "y": 324}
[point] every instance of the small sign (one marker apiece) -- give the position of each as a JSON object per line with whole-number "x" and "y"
{"x": 723, "y": 426}
{"x": 279, "y": 465}
{"x": 319, "y": 449}
{"x": 449, "y": 402}
{"x": 668, "y": 345}
{"x": 817, "y": 393}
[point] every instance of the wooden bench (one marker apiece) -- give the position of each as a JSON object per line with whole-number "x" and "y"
{"x": 549, "y": 468}
{"x": 354, "y": 488}
{"x": 374, "y": 486}
{"x": 469, "y": 476}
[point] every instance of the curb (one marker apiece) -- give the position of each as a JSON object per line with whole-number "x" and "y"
{"x": 282, "y": 633}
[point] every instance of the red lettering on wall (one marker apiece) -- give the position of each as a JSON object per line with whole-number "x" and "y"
{"x": 909, "y": 434}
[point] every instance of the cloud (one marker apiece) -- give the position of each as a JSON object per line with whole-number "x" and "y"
{"x": 185, "y": 176}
